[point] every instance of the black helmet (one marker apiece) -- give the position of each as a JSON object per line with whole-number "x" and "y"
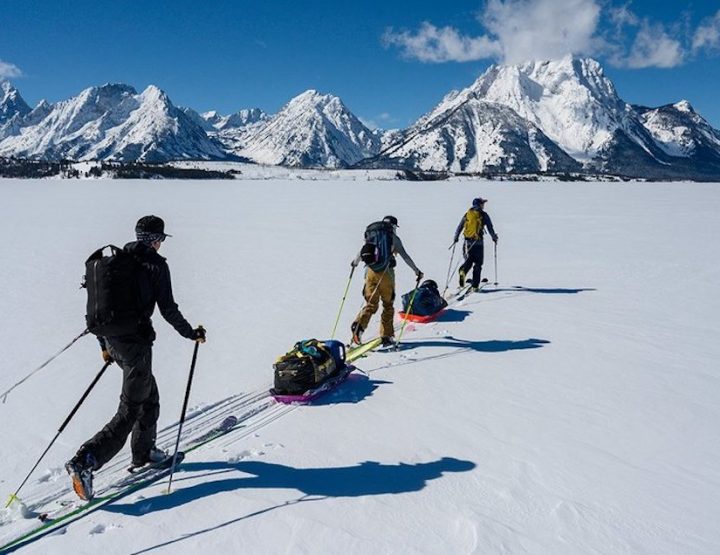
{"x": 392, "y": 220}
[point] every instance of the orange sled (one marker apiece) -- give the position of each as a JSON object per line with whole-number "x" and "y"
{"x": 420, "y": 319}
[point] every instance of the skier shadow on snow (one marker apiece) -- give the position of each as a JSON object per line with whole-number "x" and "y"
{"x": 453, "y": 315}
{"x": 544, "y": 290}
{"x": 462, "y": 346}
{"x": 367, "y": 478}
{"x": 490, "y": 346}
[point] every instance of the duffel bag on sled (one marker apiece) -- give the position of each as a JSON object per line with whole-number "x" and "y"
{"x": 309, "y": 364}
{"x": 427, "y": 305}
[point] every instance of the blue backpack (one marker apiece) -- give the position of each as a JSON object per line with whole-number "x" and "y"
{"x": 377, "y": 250}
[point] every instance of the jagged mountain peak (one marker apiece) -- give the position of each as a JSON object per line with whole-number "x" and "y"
{"x": 684, "y": 106}
{"x": 153, "y": 93}
{"x": 570, "y": 99}
{"x": 110, "y": 121}
{"x": 108, "y": 90}
{"x": 313, "y": 129}
{"x": 12, "y": 104}
{"x": 314, "y": 100}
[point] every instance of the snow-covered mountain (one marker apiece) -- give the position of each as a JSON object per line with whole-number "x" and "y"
{"x": 313, "y": 129}
{"x": 558, "y": 116}
{"x": 683, "y": 133}
{"x": 213, "y": 121}
{"x": 478, "y": 136}
{"x": 111, "y": 122}
{"x": 230, "y": 130}
{"x": 11, "y": 103}
{"x": 568, "y": 103}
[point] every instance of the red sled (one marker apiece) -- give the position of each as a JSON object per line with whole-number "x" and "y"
{"x": 420, "y": 319}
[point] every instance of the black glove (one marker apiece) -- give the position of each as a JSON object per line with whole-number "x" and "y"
{"x": 419, "y": 275}
{"x": 106, "y": 356}
{"x": 198, "y": 334}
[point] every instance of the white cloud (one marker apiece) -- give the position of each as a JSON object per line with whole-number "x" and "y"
{"x": 435, "y": 44}
{"x": 707, "y": 34}
{"x": 515, "y": 31}
{"x": 622, "y": 15}
{"x": 8, "y": 70}
{"x": 654, "y": 47}
{"x": 542, "y": 29}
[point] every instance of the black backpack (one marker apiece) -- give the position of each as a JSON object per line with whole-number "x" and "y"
{"x": 113, "y": 288}
{"x": 307, "y": 365}
{"x": 427, "y": 300}
{"x": 377, "y": 250}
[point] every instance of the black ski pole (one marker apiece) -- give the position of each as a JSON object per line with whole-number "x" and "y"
{"x": 44, "y": 364}
{"x": 496, "y": 281}
{"x": 184, "y": 410}
{"x": 64, "y": 424}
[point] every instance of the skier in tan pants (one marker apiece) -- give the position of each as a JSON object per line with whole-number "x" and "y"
{"x": 381, "y": 247}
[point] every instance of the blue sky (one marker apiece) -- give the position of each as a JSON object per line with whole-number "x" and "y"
{"x": 389, "y": 61}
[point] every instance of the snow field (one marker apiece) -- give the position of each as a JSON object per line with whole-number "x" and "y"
{"x": 572, "y": 409}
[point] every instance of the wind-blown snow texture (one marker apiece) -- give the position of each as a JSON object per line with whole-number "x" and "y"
{"x": 572, "y": 409}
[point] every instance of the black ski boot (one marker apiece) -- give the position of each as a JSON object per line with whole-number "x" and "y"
{"x": 387, "y": 341}
{"x": 356, "y": 333}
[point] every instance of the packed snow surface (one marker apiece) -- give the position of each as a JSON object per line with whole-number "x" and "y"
{"x": 572, "y": 408}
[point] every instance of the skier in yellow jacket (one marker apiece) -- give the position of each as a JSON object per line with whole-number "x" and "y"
{"x": 472, "y": 226}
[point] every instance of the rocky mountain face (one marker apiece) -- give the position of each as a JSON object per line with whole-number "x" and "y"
{"x": 12, "y": 104}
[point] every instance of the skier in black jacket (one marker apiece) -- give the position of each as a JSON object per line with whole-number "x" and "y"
{"x": 139, "y": 407}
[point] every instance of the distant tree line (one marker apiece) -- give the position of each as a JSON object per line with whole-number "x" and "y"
{"x": 22, "y": 168}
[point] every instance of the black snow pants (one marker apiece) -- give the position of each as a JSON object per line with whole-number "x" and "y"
{"x": 474, "y": 255}
{"x": 139, "y": 407}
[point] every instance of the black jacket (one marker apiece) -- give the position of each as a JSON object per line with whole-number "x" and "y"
{"x": 155, "y": 289}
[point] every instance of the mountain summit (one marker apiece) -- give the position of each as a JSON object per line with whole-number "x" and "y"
{"x": 555, "y": 115}
{"x": 111, "y": 122}
{"x": 313, "y": 129}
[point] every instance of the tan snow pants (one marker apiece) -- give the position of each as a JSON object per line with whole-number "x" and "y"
{"x": 379, "y": 286}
